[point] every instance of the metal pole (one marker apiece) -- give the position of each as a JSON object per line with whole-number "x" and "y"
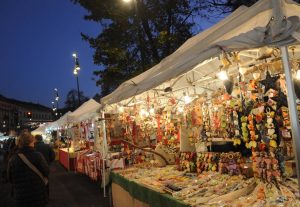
{"x": 78, "y": 90}
{"x": 293, "y": 112}
{"x": 103, "y": 153}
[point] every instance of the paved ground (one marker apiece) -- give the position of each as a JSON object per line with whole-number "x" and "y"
{"x": 66, "y": 189}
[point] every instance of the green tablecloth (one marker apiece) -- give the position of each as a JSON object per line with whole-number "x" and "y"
{"x": 144, "y": 194}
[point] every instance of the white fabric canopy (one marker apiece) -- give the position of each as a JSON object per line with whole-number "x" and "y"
{"x": 267, "y": 23}
{"x": 64, "y": 119}
{"x": 40, "y": 130}
{"x": 87, "y": 110}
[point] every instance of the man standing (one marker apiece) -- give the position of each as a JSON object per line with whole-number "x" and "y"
{"x": 44, "y": 149}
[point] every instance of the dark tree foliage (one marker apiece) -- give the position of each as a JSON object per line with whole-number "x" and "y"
{"x": 72, "y": 99}
{"x": 137, "y": 35}
{"x": 134, "y": 37}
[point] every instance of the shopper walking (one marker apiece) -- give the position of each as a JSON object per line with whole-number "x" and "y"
{"x": 44, "y": 149}
{"x": 28, "y": 172}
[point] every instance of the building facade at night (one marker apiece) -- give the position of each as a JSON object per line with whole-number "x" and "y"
{"x": 15, "y": 114}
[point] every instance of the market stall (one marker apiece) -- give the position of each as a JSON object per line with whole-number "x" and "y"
{"x": 81, "y": 131}
{"x": 223, "y": 109}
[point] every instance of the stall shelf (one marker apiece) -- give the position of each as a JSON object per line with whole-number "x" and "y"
{"x": 137, "y": 195}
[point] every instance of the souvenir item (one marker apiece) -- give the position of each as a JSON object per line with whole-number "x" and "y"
{"x": 269, "y": 82}
{"x": 280, "y": 99}
{"x": 230, "y": 163}
{"x": 207, "y": 161}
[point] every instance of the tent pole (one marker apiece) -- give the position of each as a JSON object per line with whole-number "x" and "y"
{"x": 293, "y": 112}
{"x": 103, "y": 153}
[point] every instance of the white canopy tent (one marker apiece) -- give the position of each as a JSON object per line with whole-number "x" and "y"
{"x": 267, "y": 23}
{"x": 64, "y": 119}
{"x": 40, "y": 130}
{"x": 87, "y": 110}
{"x": 274, "y": 23}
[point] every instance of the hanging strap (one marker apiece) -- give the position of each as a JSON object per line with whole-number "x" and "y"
{"x": 33, "y": 168}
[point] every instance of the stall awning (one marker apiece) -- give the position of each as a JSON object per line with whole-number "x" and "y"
{"x": 64, "y": 119}
{"x": 86, "y": 111}
{"x": 267, "y": 23}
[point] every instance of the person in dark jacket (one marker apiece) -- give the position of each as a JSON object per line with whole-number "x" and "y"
{"x": 44, "y": 149}
{"x": 29, "y": 189}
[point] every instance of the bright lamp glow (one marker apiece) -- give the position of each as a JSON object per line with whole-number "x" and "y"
{"x": 152, "y": 110}
{"x": 77, "y": 68}
{"x": 180, "y": 109}
{"x": 75, "y": 72}
{"x": 143, "y": 112}
{"x": 298, "y": 75}
{"x": 222, "y": 75}
{"x": 127, "y": 1}
{"x": 187, "y": 99}
{"x": 121, "y": 109}
{"x": 74, "y": 55}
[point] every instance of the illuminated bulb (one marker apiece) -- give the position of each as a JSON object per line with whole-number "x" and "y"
{"x": 121, "y": 109}
{"x": 152, "y": 111}
{"x": 74, "y": 55}
{"x": 77, "y": 68}
{"x": 222, "y": 75}
{"x": 127, "y": 1}
{"x": 298, "y": 75}
{"x": 143, "y": 112}
{"x": 75, "y": 72}
{"x": 187, "y": 99}
{"x": 180, "y": 109}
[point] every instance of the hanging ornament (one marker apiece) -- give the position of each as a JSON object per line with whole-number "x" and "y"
{"x": 269, "y": 82}
{"x": 281, "y": 99}
{"x": 297, "y": 87}
{"x": 228, "y": 84}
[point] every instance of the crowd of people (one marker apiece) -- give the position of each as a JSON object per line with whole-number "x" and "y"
{"x": 26, "y": 166}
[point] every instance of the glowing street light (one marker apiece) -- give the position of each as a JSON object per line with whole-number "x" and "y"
{"x": 75, "y": 72}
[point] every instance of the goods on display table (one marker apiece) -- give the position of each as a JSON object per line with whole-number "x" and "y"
{"x": 218, "y": 116}
{"x": 206, "y": 189}
{"x": 90, "y": 163}
{"x": 67, "y": 158}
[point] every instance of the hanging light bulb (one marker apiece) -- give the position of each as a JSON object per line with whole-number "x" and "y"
{"x": 121, "y": 109}
{"x": 152, "y": 110}
{"x": 144, "y": 113}
{"x": 298, "y": 74}
{"x": 180, "y": 109}
{"x": 187, "y": 98}
{"x": 222, "y": 75}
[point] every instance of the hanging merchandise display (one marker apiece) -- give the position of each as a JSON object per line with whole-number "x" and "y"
{"x": 228, "y": 150}
{"x": 214, "y": 124}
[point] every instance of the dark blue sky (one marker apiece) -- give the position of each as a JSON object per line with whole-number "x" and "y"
{"x": 37, "y": 40}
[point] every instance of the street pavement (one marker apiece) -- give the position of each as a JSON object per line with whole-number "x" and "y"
{"x": 66, "y": 189}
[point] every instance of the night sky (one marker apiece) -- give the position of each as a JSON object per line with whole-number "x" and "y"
{"x": 37, "y": 40}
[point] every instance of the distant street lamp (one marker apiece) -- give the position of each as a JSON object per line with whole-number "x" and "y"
{"x": 76, "y": 70}
{"x": 56, "y": 99}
